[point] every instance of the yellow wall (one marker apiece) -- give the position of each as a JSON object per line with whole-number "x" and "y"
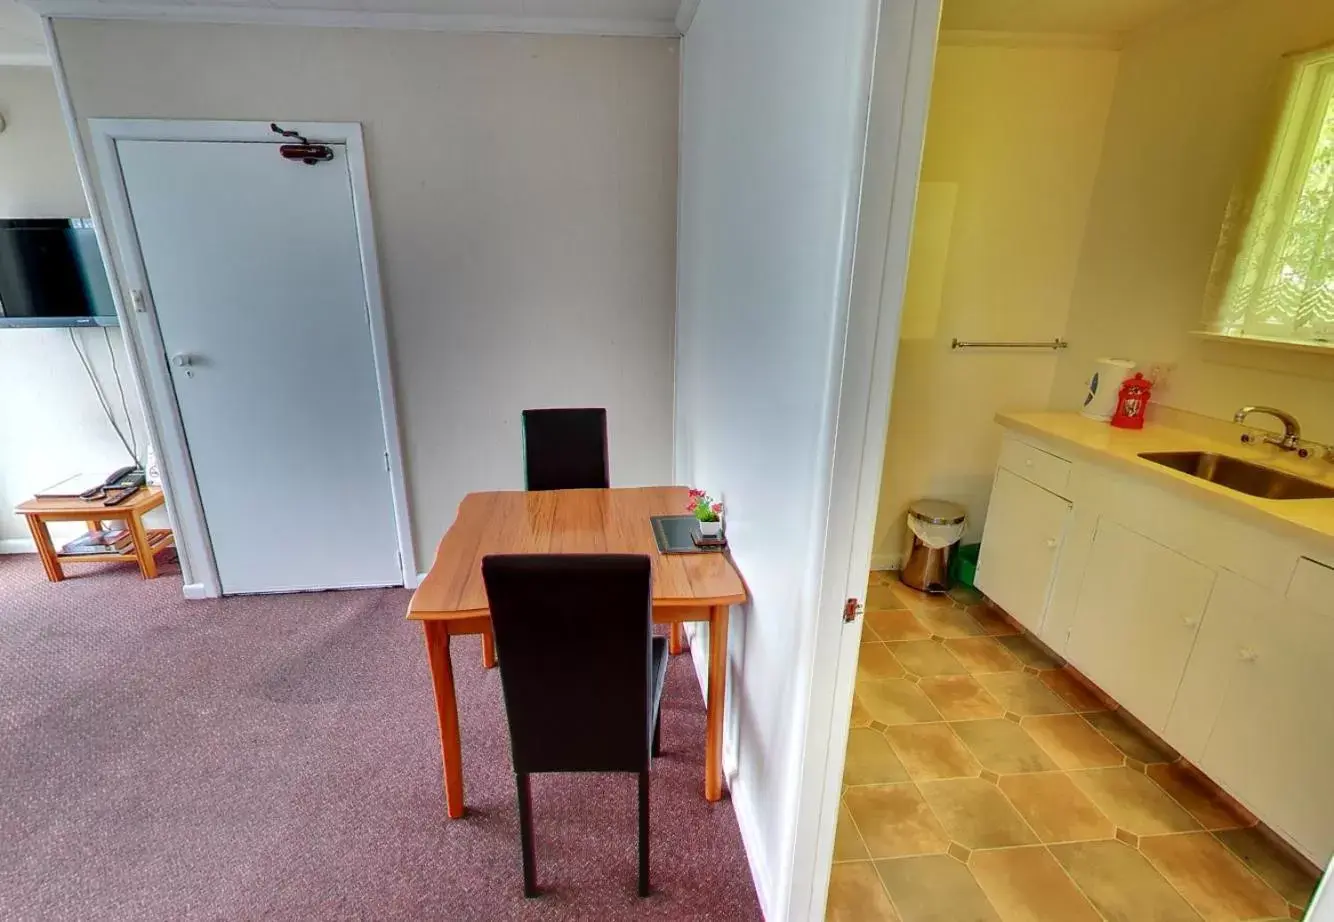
{"x": 1013, "y": 141}
{"x": 1190, "y": 100}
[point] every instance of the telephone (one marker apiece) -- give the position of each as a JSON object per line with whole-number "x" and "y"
{"x": 119, "y": 486}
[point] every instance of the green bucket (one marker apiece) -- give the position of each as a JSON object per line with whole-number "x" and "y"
{"x": 963, "y": 565}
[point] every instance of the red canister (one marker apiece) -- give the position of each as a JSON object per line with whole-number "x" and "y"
{"x": 1131, "y": 403}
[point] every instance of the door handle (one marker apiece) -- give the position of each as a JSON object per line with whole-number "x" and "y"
{"x": 182, "y": 360}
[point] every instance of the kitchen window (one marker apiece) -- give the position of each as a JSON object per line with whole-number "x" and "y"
{"x": 1274, "y": 270}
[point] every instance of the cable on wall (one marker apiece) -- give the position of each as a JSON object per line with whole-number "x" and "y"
{"x": 120, "y": 387}
{"x": 101, "y": 397}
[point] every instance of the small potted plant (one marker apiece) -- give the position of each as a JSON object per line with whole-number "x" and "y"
{"x": 707, "y": 512}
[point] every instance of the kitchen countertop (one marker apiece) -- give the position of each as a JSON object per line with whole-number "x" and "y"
{"x": 1080, "y": 437}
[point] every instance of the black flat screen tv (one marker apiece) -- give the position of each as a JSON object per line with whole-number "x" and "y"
{"x": 52, "y": 275}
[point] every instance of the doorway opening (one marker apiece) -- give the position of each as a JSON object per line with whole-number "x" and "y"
{"x": 1036, "y": 742}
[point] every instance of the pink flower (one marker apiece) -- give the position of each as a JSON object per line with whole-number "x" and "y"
{"x": 696, "y": 494}
{"x": 717, "y": 508}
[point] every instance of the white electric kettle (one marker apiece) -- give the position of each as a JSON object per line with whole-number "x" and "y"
{"x": 1103, "y": 386}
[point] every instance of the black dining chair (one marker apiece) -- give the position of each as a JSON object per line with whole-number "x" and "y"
{"x": 566, "y": 449}
{"x": 581, "y": 671}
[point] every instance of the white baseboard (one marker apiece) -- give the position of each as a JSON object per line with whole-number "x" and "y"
{"x": 195, "y": 591}
{"x": 745, "y": 810}
{"x": 886, "y": 561}
{"x": 742, "y": 805}
{"x": 17, "y": 546}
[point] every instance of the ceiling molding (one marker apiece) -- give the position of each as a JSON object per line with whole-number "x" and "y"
{"x": 33, "y": 59}
{"x": 360, "y": 19}
{"x": 685, "y": 15}
{"x": 979, "y": 38}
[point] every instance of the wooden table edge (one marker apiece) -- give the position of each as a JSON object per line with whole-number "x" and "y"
{"x": 692, "y": 603}
{"x": 152, "y": 498}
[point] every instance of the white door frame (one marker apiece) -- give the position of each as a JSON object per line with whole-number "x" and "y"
{"x": 143, "y": 336}
{"x": 896, "y": 132}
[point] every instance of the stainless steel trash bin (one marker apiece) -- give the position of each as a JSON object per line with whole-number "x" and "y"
{"x": 927, "y": 568}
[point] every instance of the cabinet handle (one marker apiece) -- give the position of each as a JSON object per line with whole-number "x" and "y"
{"x": 1247, "y": 655}
{"x": 1191, "y": 622}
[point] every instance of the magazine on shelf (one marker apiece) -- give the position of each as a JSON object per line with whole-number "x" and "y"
{"x": 98, "y": 542}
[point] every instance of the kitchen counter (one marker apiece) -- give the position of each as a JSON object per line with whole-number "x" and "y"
{"x": 1303, "y": 519}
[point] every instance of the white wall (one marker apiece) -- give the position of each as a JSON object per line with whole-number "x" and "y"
{"x": 51, "y": 425}
{"x": 1191, "y": 102}
{"x": 1014, "y": 136}
{"x": 524, "y": 192}
{"x": 773, "y": 127}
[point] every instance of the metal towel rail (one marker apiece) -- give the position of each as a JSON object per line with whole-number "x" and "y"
{"x": 1044, "y": 344}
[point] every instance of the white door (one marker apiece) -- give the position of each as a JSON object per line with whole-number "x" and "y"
{"x": 1020, "y": 547}
{"x": 1140, "y": 606}
{"x": 255, "y": 274}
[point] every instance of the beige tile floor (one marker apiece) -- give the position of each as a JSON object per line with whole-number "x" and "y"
{"x": 985, "y": 783}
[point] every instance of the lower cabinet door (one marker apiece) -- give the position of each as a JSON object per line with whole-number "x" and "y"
{"x": 1020, "y": 547}
{"x": 1272, "y": 744}
{"x": 1140, "y": 606}
{"x": 1239, "y": 613}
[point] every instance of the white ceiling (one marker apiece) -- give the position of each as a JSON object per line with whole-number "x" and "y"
{"x": 618, "y": 17}
{"x": 1069, "y": 17}
{"x": 21, "y": 39}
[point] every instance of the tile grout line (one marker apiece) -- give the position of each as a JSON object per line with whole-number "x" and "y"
{"x": 1046, "y": 846}
{"x": 842, "y": 801}
{"x": 1149, "y": 861}
{"x": 946, "y": 854}
{"x": 870, "y": 859}
{"x": 1212, "y": 834}
{"x": 1074, "y": 883}
{"x": 1175, "y": 889}
{"x": 1041, "y": 844}
{"x": 1138, "y": 838}
{"x": 1082, "y": 714}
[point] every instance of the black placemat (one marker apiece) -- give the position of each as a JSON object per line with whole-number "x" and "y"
{"x": 674, "y": 534}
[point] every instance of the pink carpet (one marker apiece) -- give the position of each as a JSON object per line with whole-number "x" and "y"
{"x": 276, "y": 757}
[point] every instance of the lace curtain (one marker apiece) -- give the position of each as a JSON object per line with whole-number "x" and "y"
{"x": 1274, "y": 275}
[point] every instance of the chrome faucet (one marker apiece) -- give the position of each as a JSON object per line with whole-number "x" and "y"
{"x": 1292, "y": 430}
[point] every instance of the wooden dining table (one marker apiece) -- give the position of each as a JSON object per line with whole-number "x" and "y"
{"x": 451, "y": 601}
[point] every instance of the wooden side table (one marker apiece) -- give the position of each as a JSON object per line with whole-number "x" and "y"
{"x": 145, "y": 543}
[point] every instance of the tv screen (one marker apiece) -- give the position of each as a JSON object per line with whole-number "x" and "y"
{"x": 51, "y": 274}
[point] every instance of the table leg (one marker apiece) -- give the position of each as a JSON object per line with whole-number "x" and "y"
{"x": 94, "y": 525}
{"x": 447, "y": 711}
{"x": 488, "y": 650}
{"x": 676, "y": 638}
{"x": 41, "y": 537}
{"x": 142, "y": 551}
{"x": 713, "y": 741}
